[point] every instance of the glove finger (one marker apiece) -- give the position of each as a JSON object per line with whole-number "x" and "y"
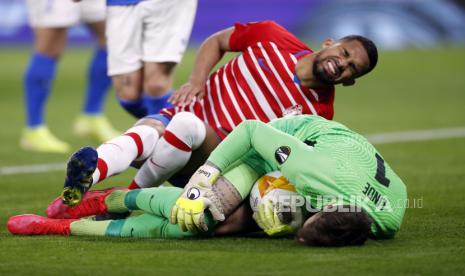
{"x": 217, "y": 215}
{"x": 174, "y": 214}
{"x": 188, "y": 221}
{"x": 202, "y": 225}
{"x": 181, "y": 220}
{"x": 262, "y": 215}
{"x": 283, "y": 230}
{"x": 274, "y": 232}
{"x": 269, "y": 214}
{"x": 258, "y": 220}
{"x": 256, "y": 216}
{"x": 276, "y": 219}
{"x": 277, "y": 215}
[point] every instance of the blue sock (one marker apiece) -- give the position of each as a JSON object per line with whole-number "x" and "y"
{"x": 98, "y": 83}
{"x": 37, "y": 83}
{"x": 135, "y": 107}
{"x": 156, "y": 103}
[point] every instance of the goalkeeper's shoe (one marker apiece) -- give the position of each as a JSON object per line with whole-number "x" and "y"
{"x": 29, "y": 224}
{"x": 40, "y": 139}
{"x": 93, "y": 203}
{"x": 97, "y": 127}
{"x": 80, "y": 168}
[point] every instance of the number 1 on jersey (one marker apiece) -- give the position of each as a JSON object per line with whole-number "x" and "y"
{"x": 381, "y": 171}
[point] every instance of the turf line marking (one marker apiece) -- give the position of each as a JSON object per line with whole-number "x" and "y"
{"x": 378, "y": 138}
{"x": 416, "y": 135}
{"x": 39, "y": 168}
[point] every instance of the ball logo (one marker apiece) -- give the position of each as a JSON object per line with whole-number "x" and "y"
{"x": 282, "y": 153}
{"x": 193, "y": 193}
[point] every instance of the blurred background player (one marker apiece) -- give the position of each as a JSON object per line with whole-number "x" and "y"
{"x": 146, "y": 39}
{"x": 50, "y": 20}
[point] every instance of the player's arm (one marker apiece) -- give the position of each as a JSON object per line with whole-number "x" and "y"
{"x": 270, "y": 143}
{"x": 209, "y": 54}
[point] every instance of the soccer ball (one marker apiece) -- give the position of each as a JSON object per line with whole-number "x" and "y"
{"x": 271, "y": 186}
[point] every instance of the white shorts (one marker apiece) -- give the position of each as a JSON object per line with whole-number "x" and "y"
{"x": 64, "y": 13}
{"x": 151, "y": 31}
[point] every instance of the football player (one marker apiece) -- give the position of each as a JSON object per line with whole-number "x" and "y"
{"x": 322, "y": 159}
{"x": 146, "y": 39}
{"x": 50, "y": 20}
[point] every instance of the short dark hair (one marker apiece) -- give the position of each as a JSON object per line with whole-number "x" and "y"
{"x": 337, "y": 229}
{"x": 369, "y": 47}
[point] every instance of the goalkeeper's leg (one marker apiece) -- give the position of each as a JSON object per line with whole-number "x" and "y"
{"x": 154, "y": 201}
{"x": 143, "y": 226}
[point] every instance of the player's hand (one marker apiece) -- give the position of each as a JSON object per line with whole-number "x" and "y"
{"x": 274, "y": 221}
{"x": 198, "y": 196}
{"x": 186, "y": 93}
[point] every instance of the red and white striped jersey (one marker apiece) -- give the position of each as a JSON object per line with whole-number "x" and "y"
{"x": 260, "y": 83}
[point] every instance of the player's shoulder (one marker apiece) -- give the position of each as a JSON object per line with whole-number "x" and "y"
{"x": 270, "y": 30}
{"x": 265, "y": 24}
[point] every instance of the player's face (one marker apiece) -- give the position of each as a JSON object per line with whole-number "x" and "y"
{"x": 340, "y": 62}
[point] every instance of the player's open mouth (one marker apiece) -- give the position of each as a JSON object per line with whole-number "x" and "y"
{"x": 331, "y": 68}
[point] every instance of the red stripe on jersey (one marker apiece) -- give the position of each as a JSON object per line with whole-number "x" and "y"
{"x": 302, "y": 94}
{"x": 273, "y": 78}
{"x": 209, "y": 111}
{"x": 253, "y": 69}
{"x": 242, "y": 83}
{"x": 137, "y": 141}
{"x": 243, "y": 104}
{"x": 102, "y": 168}
{"x": 223, "y": 121}
{"x": 197, "y": 110}
{"x": 283, "y": 71}
{"x": 227, "y": 101}
{"x": 173, "y": 140}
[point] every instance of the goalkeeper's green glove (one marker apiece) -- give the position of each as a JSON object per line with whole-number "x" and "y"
{"x": 272, "y": 219}
{"x": 198, "y": 196}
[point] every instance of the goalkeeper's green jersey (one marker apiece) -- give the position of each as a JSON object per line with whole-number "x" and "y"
{"x": 323, "y": 159}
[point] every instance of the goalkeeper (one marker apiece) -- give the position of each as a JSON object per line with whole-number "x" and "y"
{"x": 322, "y": 159}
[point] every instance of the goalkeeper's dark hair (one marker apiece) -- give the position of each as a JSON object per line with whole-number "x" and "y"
{"x": 369, "y": 47}
{"x": 337, "y": 228}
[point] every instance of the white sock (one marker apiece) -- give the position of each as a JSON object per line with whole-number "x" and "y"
{"x": 116, "y": 155}
{"x": 183, "y": 134}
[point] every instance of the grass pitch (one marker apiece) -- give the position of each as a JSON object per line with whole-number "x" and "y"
{"x": 408, "y": 90}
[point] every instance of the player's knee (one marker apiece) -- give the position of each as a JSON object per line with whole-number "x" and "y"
{"x": 50, "y": 41}
{"x": 336, "y": 228}
{"x": 147, "y": 136}
{"x": 158, "y": 77}
{"x": 127, "y": 86}
{"x": 153, "y": 123}
{"x": 157, "y": 86}
{"x": 189, "y": 128}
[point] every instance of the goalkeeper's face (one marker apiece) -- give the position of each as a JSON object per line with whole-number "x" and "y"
{"x": 340, "y": 62}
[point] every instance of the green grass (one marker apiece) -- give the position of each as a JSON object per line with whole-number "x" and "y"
{"x": 408, "y": 90}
